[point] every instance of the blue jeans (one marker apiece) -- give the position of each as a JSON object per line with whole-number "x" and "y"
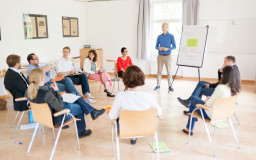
{"x": 76, "y": 111}
{"x": 85, "y": 106}
{"x": 200, "y": 90}
{"x": 81, "y": 79}
{"x": 65, "y": 84}
{"x": 195, "y": 100}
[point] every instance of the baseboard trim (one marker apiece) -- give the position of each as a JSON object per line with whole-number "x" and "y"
{"x": 212, "y": 80}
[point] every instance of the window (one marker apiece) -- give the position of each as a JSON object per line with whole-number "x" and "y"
{"x": 169, "y": 12}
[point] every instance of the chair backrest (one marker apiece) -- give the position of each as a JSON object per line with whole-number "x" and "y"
{"x": 116, "y": 67}
{"x": 42, "y": 114}
{"x": 223, "y": 108}
{"x": 137, "y": 123}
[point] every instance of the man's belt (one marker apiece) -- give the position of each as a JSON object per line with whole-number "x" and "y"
{"x": 164, "y": 54}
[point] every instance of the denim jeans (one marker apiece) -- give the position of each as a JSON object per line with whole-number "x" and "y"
{"x": 76, "y": 111}
{"x": 81, "y": 79}
{"x": 195, "y": 100}
{"x": 85, "y": 106}
{"x": 200, "y": 90}
{"x": 65, "y": 84}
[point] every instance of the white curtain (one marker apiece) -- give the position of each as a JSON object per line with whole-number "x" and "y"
{"x": 143, "y": 29}
{"x": 190, "y": 12}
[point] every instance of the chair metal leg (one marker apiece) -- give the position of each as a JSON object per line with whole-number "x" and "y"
{"x": 100, "y": 87}
{"x": 207, "y": 131}
{"x": 76, "y": 131}
{"x": 114, "y": 84}
{"x": 112, "y": 141}
{"x": 15, "y": 119}
{"x": 53, "y": 134}
{"x": 153, "y": 143}
{"x": 57, "y": 138}
{"x": 234, "y": 132}
{"x": 191, "y": 116}
{"x": 33, "y": 136}
{"x": 17, "y": 125}
{"x": 237, "y": 119}
{"x": 117, "y": 144}
{"x": 157, "y": 146}
{"x": 43, "y": 128}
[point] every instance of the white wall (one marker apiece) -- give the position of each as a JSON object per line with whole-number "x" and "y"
{"x": 12, "y": 31}
{"x": 112, "y": 25}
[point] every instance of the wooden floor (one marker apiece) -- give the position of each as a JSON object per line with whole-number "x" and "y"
{"x": 98, "y": 145}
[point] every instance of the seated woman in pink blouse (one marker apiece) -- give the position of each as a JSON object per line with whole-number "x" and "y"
{"x": 123, "y": 62}
{"x": 90, "y": 67}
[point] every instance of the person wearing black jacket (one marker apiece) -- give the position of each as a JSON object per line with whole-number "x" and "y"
{"x": 15, "y": 82}
{"x": 207, "y": 88}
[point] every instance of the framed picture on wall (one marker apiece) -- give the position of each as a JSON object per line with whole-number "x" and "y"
{"x": 70, "y": 27}
{"x": 35, "y": 26}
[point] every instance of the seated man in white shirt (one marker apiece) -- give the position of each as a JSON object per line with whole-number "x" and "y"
{"x": 66, "y": 68}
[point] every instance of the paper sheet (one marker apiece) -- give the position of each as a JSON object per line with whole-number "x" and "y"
{"x": 162, "y": 147}
{"x": 69, "y": 97}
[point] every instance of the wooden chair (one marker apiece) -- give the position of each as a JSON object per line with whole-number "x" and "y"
{"x": 222, "y": 110}
{"x": 135, "y": 124}
{"x": 18, "y": 112}
{"x": 42, "y": 115}
{"x": 116, "y": 76}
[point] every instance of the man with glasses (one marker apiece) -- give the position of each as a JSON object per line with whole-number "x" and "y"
{"x": 64, "y": 85}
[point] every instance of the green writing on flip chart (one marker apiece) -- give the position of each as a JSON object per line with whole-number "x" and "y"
{"x": 192, "y": 43}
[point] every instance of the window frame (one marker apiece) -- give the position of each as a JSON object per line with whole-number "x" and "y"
{"x": 153, "y": 53}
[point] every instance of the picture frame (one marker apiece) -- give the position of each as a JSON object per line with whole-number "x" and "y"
{"x": 70, "y": 27}
{"x": 35, "y": 26}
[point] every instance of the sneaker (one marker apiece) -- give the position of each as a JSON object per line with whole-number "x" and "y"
{"x": 157, "y": 88}
{"x": 105, "y": 90}
{"x": 90, "y": 101}
{"x": 170, "y": 89}
{"x": 185, "y": 102}
{"x": 88, "y": 96}
{"x": 84, "y": 133}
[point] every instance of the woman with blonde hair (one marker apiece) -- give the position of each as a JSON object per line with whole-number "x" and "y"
{"x": 90, "y": 68}
{"x": 38, "y": 93}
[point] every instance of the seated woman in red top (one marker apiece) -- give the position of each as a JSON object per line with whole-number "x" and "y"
{"x": 123, "y": 62}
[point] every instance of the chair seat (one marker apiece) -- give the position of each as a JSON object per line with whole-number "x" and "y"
{"x": 66, "y": 123}
{"x": 199, "y": 116}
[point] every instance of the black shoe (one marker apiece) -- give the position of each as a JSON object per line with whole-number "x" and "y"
{"x": 110, "y": 94}
{"x": 96, "y": 113}
{"x": 186, "y": 113}
{"x": 65, "y": 127}
{"x": 170, "y": 89}
{"x": 133, "y": 141}
{"x": 84, "y": 133}
{"x": 184, "y": 102}
{"x": 191, "y": 133}
{"x": 105, "y": 90}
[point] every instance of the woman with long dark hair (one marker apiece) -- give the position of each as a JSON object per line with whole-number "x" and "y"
{"x": 229, "y": 86}
{"x": 90, "y": 68}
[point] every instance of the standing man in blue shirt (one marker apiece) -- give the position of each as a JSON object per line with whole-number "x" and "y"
{"x": 164, "y": 44}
